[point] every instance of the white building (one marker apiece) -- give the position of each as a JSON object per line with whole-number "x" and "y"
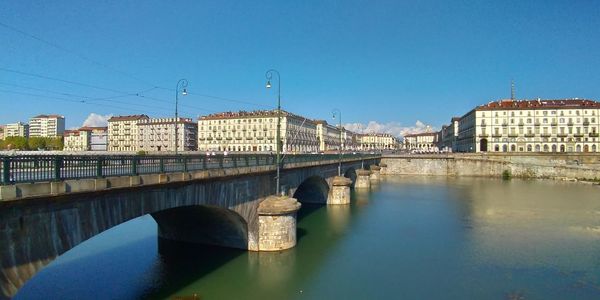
{"x": 569, "y": 125}
{"x": 425, "y": 141}
{"x": 256, "y": 131}
{"x": 379, "y": 141}
{"x": 98, "y": 138}
{"x": 16, "y": 129}
{"x": 158, "y": 134}
{"x": 449, "y": 135}
{"x": 47, "y": 126}
{"x": 2, "y": 129}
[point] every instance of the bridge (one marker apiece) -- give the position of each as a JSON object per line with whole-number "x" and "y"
{"x": 50, "y": 204}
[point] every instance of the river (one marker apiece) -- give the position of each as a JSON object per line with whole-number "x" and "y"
{"x": 408, "y": 238}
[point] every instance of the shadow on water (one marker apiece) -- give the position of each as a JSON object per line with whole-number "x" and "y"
{"x": 184, "y": 263}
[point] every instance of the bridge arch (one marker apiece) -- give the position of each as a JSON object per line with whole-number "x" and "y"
{"x": 203, "y": 224}
{"x": 314, "y": 189}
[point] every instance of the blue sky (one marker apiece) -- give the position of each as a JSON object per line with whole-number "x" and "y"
{"x": 390, "y": 62}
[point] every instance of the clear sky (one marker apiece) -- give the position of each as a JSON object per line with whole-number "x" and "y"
{"x": 391, "y": 62}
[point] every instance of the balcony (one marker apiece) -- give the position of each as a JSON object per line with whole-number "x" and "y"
{"x": 483, "y": 135}
{"x": 504, "y": 124}
{"x": 562, "y": 135}
{"x": 586, "y": 123}
{"x": 483, "y": 124}
{"x": 554, "y": 123}
{"x": 537, "y": 123}
{"x": 570, "y": 123}
{"x": 496, "y": 135}
{"x": 513, "y": 135}
{"x": 545, "y": 134}
{"x": 532, "y": 135}
{"x": 578, "y": 135}
{"x": 521, "y": 124}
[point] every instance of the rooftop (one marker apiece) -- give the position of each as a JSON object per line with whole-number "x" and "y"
{"x": 127, "y": 118}
{"x": 539, "y": 104}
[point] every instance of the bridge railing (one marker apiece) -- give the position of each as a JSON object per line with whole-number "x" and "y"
{"x": 37, "y": 168}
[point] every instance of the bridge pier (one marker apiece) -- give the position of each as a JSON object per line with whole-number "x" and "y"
{"x": 383, "y": 169}
{"x": 362, "y": 179}
{"x": 375, "y": 172}
{"x": 340, "y": 190}
{"x": 277, "y": 223}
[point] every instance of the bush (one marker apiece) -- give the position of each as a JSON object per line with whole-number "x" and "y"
{"x": 141, "y": 152}
{"x": 506, "y": 175}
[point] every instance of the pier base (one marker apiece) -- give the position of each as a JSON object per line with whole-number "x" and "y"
{"x": 362, "y": 179}
{"x": 340, "y": 191}
{"x": 277, "y": 223}
{"x": 375, "y": 172}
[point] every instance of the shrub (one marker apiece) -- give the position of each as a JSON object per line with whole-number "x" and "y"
{"x": 506, "y": 175}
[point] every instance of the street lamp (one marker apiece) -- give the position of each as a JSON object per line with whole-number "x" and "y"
{"x": 181, "y": 86}
{"x": 269, "y": 76}
{"x": 338, "y": 112}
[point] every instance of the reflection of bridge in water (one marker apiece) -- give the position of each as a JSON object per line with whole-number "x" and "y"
{"x": 214, "y": 201}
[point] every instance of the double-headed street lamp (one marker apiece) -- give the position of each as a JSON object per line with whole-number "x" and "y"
{"x": 269, "y": 76}
{"x": 339, "y": 113}
{"x": 181, "y": 87}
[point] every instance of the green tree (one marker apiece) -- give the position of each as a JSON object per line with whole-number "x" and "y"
{"x": 15, "y": 143}
{"x": 54, "y": 143}
{"x": 36, "y": 143}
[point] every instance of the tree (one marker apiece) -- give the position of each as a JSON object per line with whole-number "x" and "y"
{"x": 36, "y": 143}
{"x": 14, "y": 143}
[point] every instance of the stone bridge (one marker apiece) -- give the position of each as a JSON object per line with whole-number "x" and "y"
{"x": 231, "y": 206}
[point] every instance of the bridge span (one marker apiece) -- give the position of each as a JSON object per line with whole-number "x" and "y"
{"x": 49, "y": 205}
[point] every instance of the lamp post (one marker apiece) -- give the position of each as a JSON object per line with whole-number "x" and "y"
{"x": 338, "y": 112}
{"x": 181, "y": 86}
{"x": 269, "y": 76}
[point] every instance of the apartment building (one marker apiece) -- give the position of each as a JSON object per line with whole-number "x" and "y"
{"x": 47, "y": 126}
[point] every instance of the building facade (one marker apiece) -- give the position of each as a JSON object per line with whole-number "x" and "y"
{"x": 47, "y": 126}
{"x": 449, "y": 135}
{"x": 123, "y": 132}
{"x": 379, "y": 141}
{"x": 158, "y": 134}
{"x": 86, "y": 139}
{"x": 569, "y": 125}
{"x": 256, "y": 131}
{"x": 425, "y": 141}
{"x": 2, "y": 132}
{"x": 328, "y": 136}
{"x": 16, "y": 129}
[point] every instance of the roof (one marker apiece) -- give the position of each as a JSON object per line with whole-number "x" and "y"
{"x": 48, "y": 117}
{"x": 539, "y": 104}
{"x": 455, "y": 119}
{"x": 127, "y": 118}
{"x": 90, "y": 128}
{"x": 250, "y": 114}
{"x": 421, "y": 134}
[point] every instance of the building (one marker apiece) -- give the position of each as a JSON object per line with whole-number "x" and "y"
{"x": 328, "y": 136}
{"x": 379, "y": 141}
{"x": 76, "y": 140}
{"x": 351, "y": 140}
{"x": 568, "y": 125}
{"x": 256, "y": 131}
{"x": 86, "y": 139}
{"x": 16, "y": 129}
{"x": 158, "y": 134}
{"x": 123, "y": 132}
{"x": 47, "y": 126}
{"x": 449, "y": 135}
{"x": 98, "y": 138}
{"x": 2, "y": 132}
{"x": 425, "y": 141}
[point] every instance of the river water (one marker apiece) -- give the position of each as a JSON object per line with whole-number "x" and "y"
{"x": 407, "y": 238}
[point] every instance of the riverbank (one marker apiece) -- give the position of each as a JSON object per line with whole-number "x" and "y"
{"x": 572, "y": 167}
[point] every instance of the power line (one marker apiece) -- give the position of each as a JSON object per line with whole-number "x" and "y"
{"x": 83, "y": 57}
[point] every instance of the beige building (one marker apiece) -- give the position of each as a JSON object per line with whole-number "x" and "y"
{"x": 158, "y": 134}
{"x": 123, "y": 132}
{"x": 86, "y": 139}
{"x": 426, "y": 141}
{"x": 379, "y": 141}
{"x": 256, "y": 131}
{"x": 76, "y": 140}
{"x": 328, "y": 136}
{"x": 569, "y": 125}
{"x": 47, "y": 126}
{"x": 16, "y": 129}
{"x": 2, "y": 132}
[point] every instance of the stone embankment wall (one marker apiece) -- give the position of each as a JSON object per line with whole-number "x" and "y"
{"x": 555, "y": 166}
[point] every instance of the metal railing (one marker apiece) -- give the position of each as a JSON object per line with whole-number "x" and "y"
{"x": 38, "y": 168}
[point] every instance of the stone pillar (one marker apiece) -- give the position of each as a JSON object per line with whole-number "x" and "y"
{"x": 340, "y": 190}
{"x": 362, "y": 179}
{"x": 277, "y": 223}
{"x": 383, "y": 168}
{"x": 375, "y": 172}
